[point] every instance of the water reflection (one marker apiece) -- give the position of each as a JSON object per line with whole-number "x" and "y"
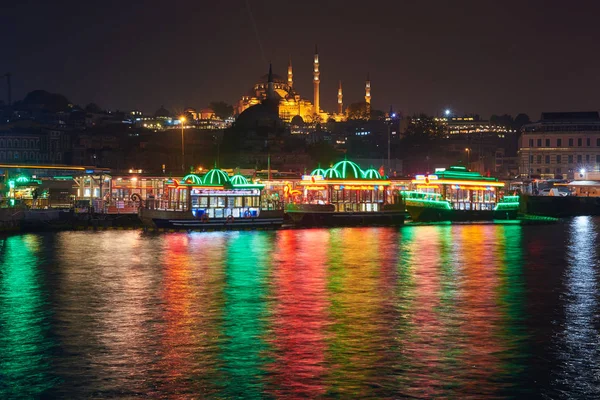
{"x": 577, "y": 374}
{"x": 429, "y": 311}
{"x": 300, "y": 317}
{"x": 190, "y": 299}
{"x": 246, "y": 314}
{"x": 25, "y": 346}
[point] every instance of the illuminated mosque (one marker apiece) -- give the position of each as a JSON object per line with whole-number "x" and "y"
{"x": 290, "y": 103}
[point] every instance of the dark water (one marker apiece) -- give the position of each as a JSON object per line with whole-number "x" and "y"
{"x": 429, "y": 311}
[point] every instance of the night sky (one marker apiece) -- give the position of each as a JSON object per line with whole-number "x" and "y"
{"x": 485, "y": 57}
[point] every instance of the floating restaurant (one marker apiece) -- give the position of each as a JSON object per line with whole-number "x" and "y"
{"x": 456, "y": 194}
{"x": 210, "y": 201}
{"x": 345, "y": 194}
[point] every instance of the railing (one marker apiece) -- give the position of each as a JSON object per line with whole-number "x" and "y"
{"x": 164, "y": 205}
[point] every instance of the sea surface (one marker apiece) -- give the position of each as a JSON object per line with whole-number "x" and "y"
{"x": 458, "y": 311}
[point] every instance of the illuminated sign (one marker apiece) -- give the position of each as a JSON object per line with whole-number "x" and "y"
{"x": 239, "y": 192}
{"x": 312, "y": 178}
{"x": 432, "y": 177}
{"x": 316, "y": 187}
{"x": 358, "y": 187}
{"x": 464, "y": 187}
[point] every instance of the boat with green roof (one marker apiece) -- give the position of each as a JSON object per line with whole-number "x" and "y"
{"x": 345, "y": 194}
{"x": 212, "y": 201}
{"x": 457, "y": 194}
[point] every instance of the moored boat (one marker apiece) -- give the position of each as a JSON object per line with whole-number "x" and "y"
{"x": 346, "y": 195}
{"x": 213, "y": 201}
{"x": 456, "y": 194}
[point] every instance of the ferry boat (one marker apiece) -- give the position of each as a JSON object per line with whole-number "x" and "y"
{"x": 456, "y": 194}
{"x": 346, "y": 195}
{"x": 212, "y": 201}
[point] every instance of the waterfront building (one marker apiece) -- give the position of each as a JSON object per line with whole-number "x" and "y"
{"x": 44, "y": 186}
{"x": 29, "y": 143}
{"x": 560, "y": 145}
{"x": 471, "y": 125}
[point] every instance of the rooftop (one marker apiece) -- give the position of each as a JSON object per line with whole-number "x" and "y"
{"x": 570, "y": 116}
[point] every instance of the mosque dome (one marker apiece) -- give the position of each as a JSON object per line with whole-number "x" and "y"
{"x": 264, "y": 114}
{"x": 331, "y": 173}
{"x": 276, "y": 79}
{"x": 238, "y": 180}
{"x": 192, "y": 179}
{"x": 297, "y": 120}
{"x": 318, "y": 171}
{"x": 215, "y": 177}
{"x": 372, "y": 173}
{"x": 348, "y": 170}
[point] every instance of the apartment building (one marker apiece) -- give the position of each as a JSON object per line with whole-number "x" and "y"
{"x": 560, "y": 145}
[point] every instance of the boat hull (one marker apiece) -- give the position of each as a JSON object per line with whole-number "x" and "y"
{"x": 160, "y": 219}
{"x": 429, "y": 214}
{"x": 313, "y": 215}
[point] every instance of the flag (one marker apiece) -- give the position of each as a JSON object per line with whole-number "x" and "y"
{"x": 381, "y": 171}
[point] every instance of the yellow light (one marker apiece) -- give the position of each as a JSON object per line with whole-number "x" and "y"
{"x": 182, "y": 119}
{"x": 349, "y": 182}
{"x": 465, "y": 183}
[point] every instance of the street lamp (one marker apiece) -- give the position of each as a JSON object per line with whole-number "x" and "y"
{"x": 447, "y": 112}
{"x": 468, "y": 150}
{"x": 182, "y": 120}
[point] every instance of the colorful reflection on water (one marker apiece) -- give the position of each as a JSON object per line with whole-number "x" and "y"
{"x": 466, "y": 311}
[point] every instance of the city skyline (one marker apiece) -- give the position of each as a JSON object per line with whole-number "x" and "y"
{"x": 420, "y": 58}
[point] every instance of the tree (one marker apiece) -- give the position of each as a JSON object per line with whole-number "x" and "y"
{"x": 312, "y": 118}
{"x": 377, "y": 114}
{"x": 222, "y": 110}
{"x": 93, "y": 108}
{"x": 188, "y": 117}
{"x": 358, "y": 111}
{"x": 323, "y": 153}
{"x": 502, "y": 120}
{"x": 520, "y": 120}
{"x": 41, "y": 99}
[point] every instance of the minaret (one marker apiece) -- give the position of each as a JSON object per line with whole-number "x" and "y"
{"x": 270, "y": 86}
{"x": 340, "y": 97}
{"x": 316, "y": 81}
{"x": 290, "y": 74}
{"x": 368, "y": 96}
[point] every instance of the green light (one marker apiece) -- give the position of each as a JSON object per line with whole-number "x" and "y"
{"x": 62, "y": 178}
{"x": 371, "y": 173}
{"x": 215, "y": 177}
{"x": 462, "y": 173}
{"x": 238, "y": 179}
{"x": 431, "y": 200}
{"x": 348, "y": 170}
{"x": 245, "y": 298}
{"x": 11, "y": 184}
{"x": 318, "y": 171}
{"x": 430, "y": 203}
{"x": 331, "y": 174}
{"x": 506, "y": 206}
{"x": 508, "y": 203}
{"x": 24, "y": 321}
{"x": 22, "y": 179}
{"x": 193, "y": 179}
{"x": 509, "y": 199}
